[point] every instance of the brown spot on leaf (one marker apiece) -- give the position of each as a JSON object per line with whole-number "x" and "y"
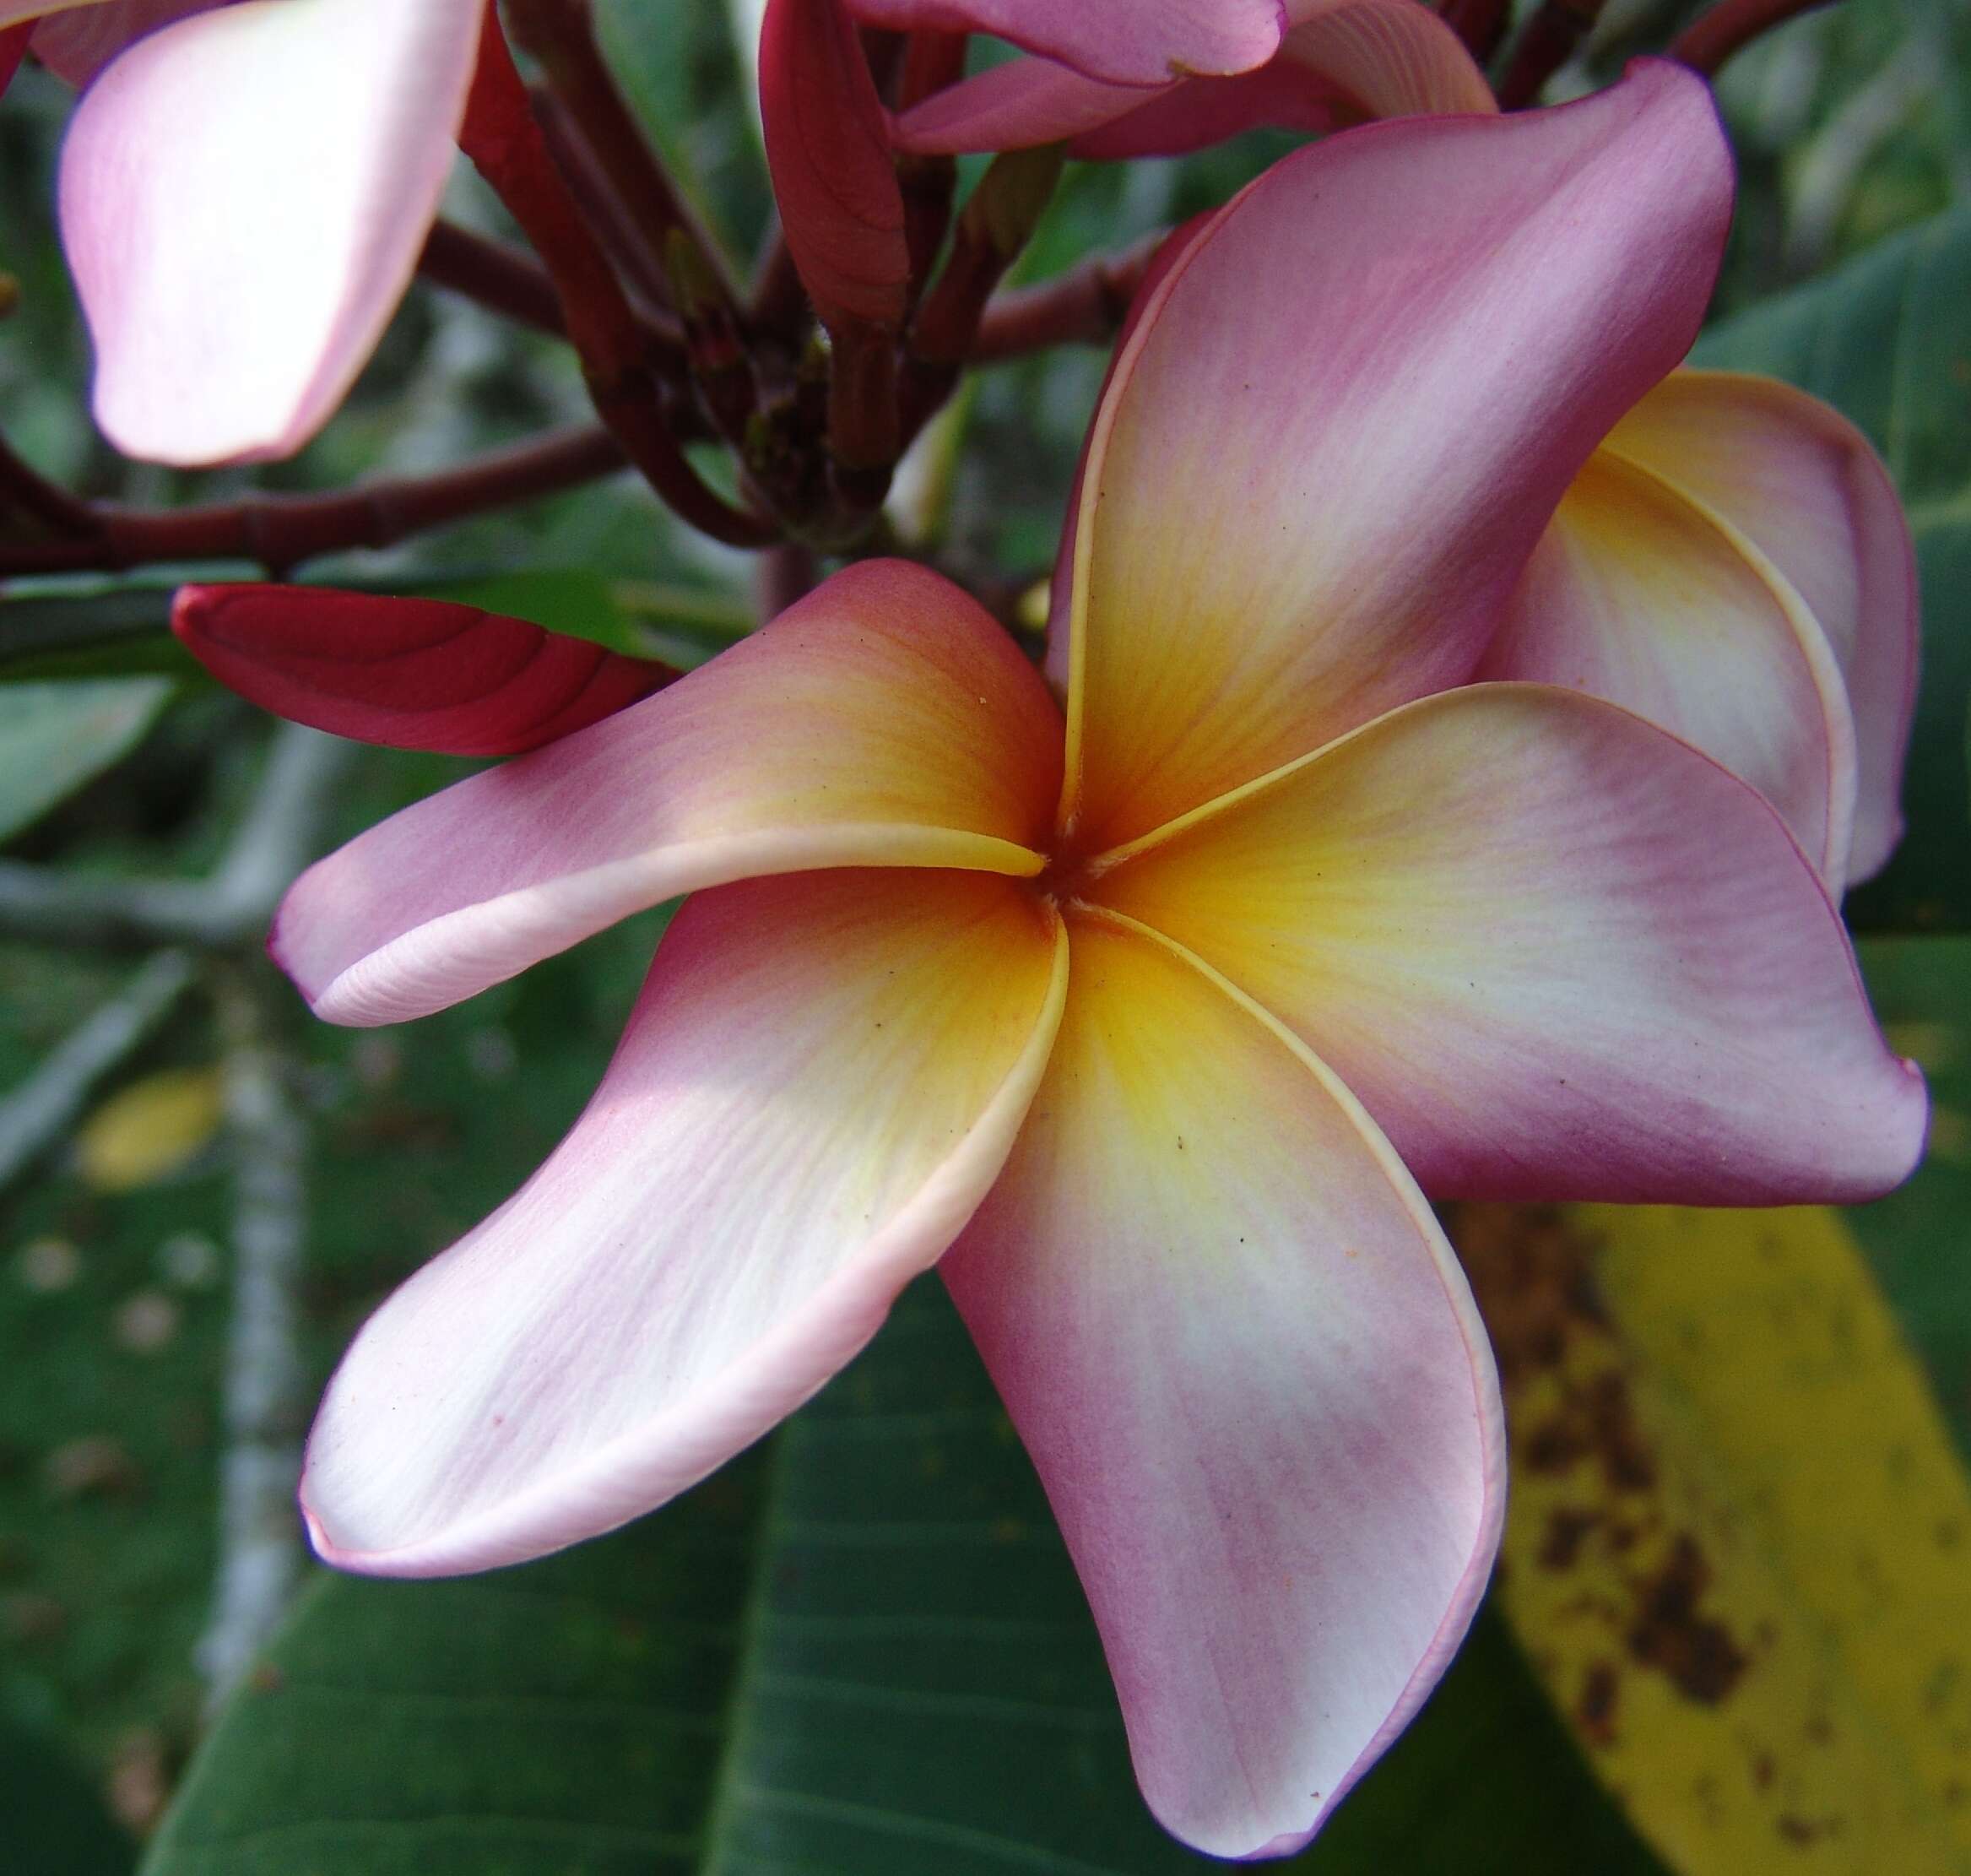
{"x": 1566, "y": 1531}
{"x": 1671, "y": 1633}
{"x": 1595, "y": 1711}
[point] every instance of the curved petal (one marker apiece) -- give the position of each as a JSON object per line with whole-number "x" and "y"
{"x": 884, "y": 721}
{"x": 1640, "y": 594}
{"x": 1558, "y": 954}
{"x": 1125, "y": 41}
{"x": 1341, "y": 60}
{"x": 1347, "y": 416}
{"x": 828, "y": 147}
{"x": 243, "y": 197}
{"x": 407, "y": 674}
{"x": 77, "y": 42}
{"x": 819, "y": 1083}
{"x": 1800, "y": 482}
{"x": 12, "y": 49}
{"x": 1250, "y": 1373}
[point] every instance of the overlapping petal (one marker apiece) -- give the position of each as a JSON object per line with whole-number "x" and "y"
{"x": 1249, "y": 1369}
{"x": 1340, "y": 60}
{"x": 1639, "y": 594}
{"x": 407, "y": 674}
{"x": 1800, "y": 482}
{"x": 1289, "y": 524}
{"x": 1557, "y": 953}
{"x": 232, "y": 298}
{"x": 886, "y": 720}
{"x": 1125, "y": 41}
{"x": 821, "y": 1080}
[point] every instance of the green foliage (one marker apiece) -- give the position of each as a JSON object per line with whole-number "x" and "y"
{"x": 55, "y": 737}
{"x": 1886, "y": 339}
{"x": 861, "y": 1650}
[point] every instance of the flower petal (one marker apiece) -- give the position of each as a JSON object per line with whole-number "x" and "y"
{"x": 1801, "y": 482}
{"x": 1126, "y": 41}
{"x": 1643, "y": 595}
{"x": 243, "y": 197}
{"x": 884, "y": 721}
{"x": 828, "y": 146}
{"x": 407, "y": 674}
{"x": 1347, "y": 416}
{"x": 821, "y": 1080}
{"x": 1557, "y": 953}
{"x": 1374, "y": 58}
{"x": 1250, "y": 1373}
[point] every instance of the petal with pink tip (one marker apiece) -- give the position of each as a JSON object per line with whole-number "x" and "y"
{"x": 834, "y": 178}
{"x": 1348, "y": 413}
{"x": 1801, "y": 482}
{"x": 244, "y": 195}
{"x": 1125, "y": 41}
{"x": 821, "y": 1080}
{"x": 1341, "y": 60}
{"x": 407, "y": 674}
{"x": 78, "y": 41}
{"x": 1640, "y": 594}
{"x": 886, "y": 720}
{"x": 1250, "y": 1373}
{"x": 1557, "y": 953}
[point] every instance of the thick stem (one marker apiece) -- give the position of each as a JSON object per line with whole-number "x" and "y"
{"x": 1731, "y": 25}
{"x": 280, "y": 531}
{"x": 627, "y": 379}
{"x": 1086, "y": 306}
{"x": 25, "y": 488}
{"x": 561, "y": 34}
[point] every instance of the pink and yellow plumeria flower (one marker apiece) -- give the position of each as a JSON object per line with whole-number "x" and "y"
{"x": 1156, "y": 1019}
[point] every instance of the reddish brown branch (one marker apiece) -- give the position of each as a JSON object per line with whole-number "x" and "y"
{"x": 1086, "y": 306}
{"x": 627, "y": 377}
{"x": 495, "y": 276}
{"x": 24, "y": 488}
{"x": 1731, "y": 25}
{"x": 561, "y": 34}
{"x": 281, "y": 531}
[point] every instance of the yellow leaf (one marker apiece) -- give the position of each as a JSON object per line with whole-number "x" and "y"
{"x": 1738, "y": 1547}
{"x": 148, "y": 1130}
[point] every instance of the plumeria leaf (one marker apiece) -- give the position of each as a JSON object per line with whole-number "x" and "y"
{"x": 56, "y": 737}
{"x": 863, "y": 1649}
{"x": 1735, "y": 1543}
{"x": 1884, "y": 340}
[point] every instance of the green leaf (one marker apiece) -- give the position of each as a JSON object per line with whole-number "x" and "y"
{"x": 860, "y": 1652}
{"x": 1885, "y": 341}
{"x": 90, "y": 631}
{"x": 55, "y": 737}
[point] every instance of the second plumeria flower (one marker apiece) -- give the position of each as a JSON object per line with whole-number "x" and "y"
{"x": 1159, "y": 1017}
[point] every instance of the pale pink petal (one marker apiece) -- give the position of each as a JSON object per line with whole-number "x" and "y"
{"x": 78, "y": 41}
{"x": 821, "y": 1080}
{"x": 1348, "y": 414}
{"x": 1341, "y": 60}
{"x": 1250, "y": 1373}
{"x": 886, "y": 720}
{"x": 1557, "y": 953}
{"x": 1801, "y": 482}
{"x": 244, "y": 195}
{"x": 1643, "y": 595}
{"x": 1126, "y": 41}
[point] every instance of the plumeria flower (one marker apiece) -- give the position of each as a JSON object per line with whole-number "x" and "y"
{"x": 1157, "y": 1016}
